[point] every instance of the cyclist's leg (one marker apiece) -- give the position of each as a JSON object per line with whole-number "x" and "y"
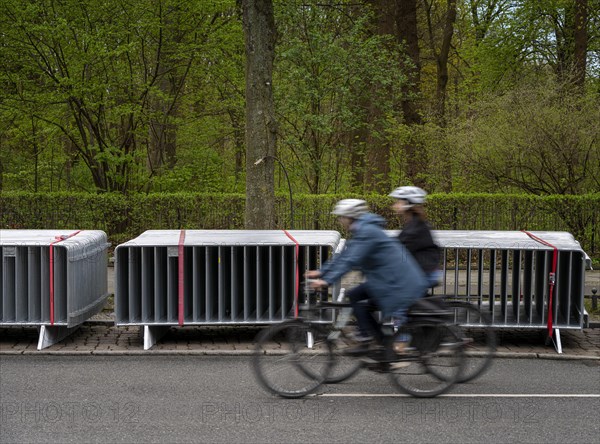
{"x": 362, "y": 307}
{"x": 402, "y": 339}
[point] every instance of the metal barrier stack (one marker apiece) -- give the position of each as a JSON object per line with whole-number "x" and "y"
{"x": 202, "y": 277}
{"x": 53, "y": 279}
{"x": 521, "y": 279}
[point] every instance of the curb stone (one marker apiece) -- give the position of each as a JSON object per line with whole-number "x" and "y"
{"x": 499, "y": 355}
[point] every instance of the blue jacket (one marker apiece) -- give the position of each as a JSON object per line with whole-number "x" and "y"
{"x": 393, "y": 278}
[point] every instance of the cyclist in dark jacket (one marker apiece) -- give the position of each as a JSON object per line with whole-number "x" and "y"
{"x": 416, "y": 231}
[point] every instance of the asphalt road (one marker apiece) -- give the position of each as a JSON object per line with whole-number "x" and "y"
{"x": 216, "y": 399}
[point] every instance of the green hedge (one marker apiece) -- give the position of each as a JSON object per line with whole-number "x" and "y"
{"x": 124, "y": 217}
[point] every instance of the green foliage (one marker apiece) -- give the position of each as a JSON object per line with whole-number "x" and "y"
{"x": 104, "y": 76}
{"x": 86, "y": 86}
{"x": 537, "y": 138}
{"x": 328, "y": 67}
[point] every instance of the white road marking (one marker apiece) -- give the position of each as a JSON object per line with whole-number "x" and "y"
{"x": 462, "y": 395}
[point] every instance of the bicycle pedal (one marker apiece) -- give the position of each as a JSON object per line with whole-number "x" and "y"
{"x": 399, "y": 365}
{"x": 378, "y": 367}
{"x": 361, "y": 349}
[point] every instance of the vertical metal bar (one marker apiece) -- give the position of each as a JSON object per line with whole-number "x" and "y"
{"x": 21, "y": 287}
{"x": 188, "y": 289}
{"x": 540, "y": 260}
{"x": 577, "y": 285}
{"x": 456, "y": 273}
{"x": 172, "y": 293}
{"x": 237, "y": 282}
{"x": 260, "y": 284}
{"x": 504, "y": 284}
{"x": 246, "y": 283}
{"x": 272, "y": 286}
{"x": 516, "y": 284}
{"x": 198, "y": 304}
{"x": 211, "y": 282}
{"x": 121, "y": 296}
{"x": 480, "y": 278}
{"x": 284, "y": 293}
{"x": 202, "y": 279}
{"x": 8, "y": 296}
{"x": 250, "y": 294}
{"x": 527, "y": 284}
{"x": 134, "y": 285}
{"x": 547, "y": 257}
{"x": 45, "y": 284}
{"x": 60, "y": 284}
{"x": 492, "y": 287}
{"x": 444, "y": 271}
{"x": 226, "y": 274}
{"x": 468, "y": 271}
{"x": 221, "y": 285}
{"x": 160, "y": 284}
{"x": 33, "y": 291}
{"x": 147, "y": 285}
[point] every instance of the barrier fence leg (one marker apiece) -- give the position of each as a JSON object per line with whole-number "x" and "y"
{"x": 152, "y": 335}
{"x": 557, "y": 343}
{"x": 50, "y": 335}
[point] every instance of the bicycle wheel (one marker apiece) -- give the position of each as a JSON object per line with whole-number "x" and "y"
{"x": 293, "y": 370}
{"x": 344, "y": 366}
{"x": 478, "y": 336}
{"x": 432, "y": 362}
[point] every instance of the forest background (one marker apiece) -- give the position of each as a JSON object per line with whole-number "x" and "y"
{"x": 126, "y": 99}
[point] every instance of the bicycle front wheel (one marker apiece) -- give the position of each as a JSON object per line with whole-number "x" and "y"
{"x": 344, "y": 366}
{"x": 285, "y": 365}
{"x": 432, "y": 362}
{"x": 478, "y": 336}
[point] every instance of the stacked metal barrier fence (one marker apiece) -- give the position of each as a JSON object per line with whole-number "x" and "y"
{"x": 55, "y": 279}
{"x": 509, "y": 274}
{"x": 228, "y": 276}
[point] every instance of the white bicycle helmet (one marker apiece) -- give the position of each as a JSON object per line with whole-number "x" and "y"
{"x": 413, "y": 195}
{"x": 353, "y": 208}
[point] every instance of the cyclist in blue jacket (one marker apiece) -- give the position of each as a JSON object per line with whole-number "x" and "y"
{"x": 393, "y": 279}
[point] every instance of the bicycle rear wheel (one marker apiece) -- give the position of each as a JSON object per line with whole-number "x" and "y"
{"x": 293, "y": 370}
{"x": 431, "y": 364}
{"x": 478, "y": 336}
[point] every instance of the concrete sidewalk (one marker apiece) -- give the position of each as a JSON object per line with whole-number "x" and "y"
{"x": 98, "y": 337}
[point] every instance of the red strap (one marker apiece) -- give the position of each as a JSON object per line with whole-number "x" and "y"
{"x": 57, "y": 239}
{"x": 180, "y": 277}
{"x": 552, "y": 277}
{"x": 297, "y": 284}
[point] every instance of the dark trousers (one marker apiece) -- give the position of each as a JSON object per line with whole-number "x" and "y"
{"x": 363, "y": 306}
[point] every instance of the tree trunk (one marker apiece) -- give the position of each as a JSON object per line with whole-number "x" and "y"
{"x": 407, "y": 35}
{"x": 377, "y": 149}
{"x": 581, "y": 42}
{"x": 442, "y": 61}
{"x": 162, "y": 131}
{"x": 259, "y": 36}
